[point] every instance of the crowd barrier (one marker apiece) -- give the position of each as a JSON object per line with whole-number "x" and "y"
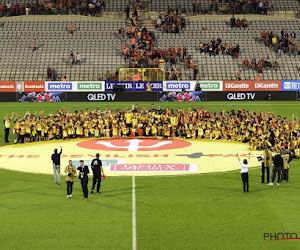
{"x": 156, "y": 86}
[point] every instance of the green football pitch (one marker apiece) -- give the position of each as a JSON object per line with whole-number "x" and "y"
{"x": 202, "y": 211}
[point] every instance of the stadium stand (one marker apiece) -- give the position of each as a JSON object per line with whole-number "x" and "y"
{"x": 97, "y": 42}
{"x": 90, "y": 39}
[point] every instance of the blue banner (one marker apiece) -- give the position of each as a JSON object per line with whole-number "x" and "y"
{"x": 290, "y": 85}
{"x": 135, "y": 86}
{"x": 179, "y": 85}
{"x": 58, "y": 86}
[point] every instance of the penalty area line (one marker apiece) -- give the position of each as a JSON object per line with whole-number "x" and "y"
{"x": 133, "y": 215}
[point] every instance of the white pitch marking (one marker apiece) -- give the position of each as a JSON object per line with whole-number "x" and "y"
{"x": 133, "y": 215}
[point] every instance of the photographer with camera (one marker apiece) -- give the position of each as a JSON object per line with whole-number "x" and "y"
{"x": 70, "y": 178}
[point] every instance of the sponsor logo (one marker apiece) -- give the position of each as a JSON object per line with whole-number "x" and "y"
{"x": 291, "y": 85}
{"x": 101, "y": 97}
{"x": 140, "y": 86}
{"x": 178, "y": 85}
{"x": 34, "y": 86}
{"x": 110, "y": 85}
{"x": 237, "y": 86}
{"x": 266, "y": 86}
{"x": 133, "y": 145}
{"x": 59, "y": 86}
{"x": 252, "y": 86}
{"x": 7, "y": 86}
{"x": 210, "y": 86}
{"x": 240, "y": 96}
{"x": 89, "y": 86}
{"x": 156, "y": 86}
{"x": 135, "y": 86}
{"x": 171, "y": 167}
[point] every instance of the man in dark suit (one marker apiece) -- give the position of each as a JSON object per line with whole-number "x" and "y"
{"x": 83, "y": 176}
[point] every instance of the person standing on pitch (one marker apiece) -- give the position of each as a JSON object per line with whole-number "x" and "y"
{"x": 70, "y": 178}
{"x": 278, "y": 167}
{"x": 286, "y": 164}
{"x": 6, "y": 123}
{"x": 56, "y": 165}
{"x": 244, "y": 171}
{"x": 266, "y": 164}
{"x": 83, "y": 176}
{"x": 97, "y": 168}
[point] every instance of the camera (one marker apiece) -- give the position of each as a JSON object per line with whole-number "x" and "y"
{"x": 69, "y": 174}
{"x": 259, "y": 158}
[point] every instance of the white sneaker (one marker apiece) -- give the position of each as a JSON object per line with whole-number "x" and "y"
{"x": 271, "y": 184}
{"x": 277, "y": 184}
{"x": 68, "y": 196}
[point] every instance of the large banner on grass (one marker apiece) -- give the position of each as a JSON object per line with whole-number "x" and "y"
{"x": 252, "y": 86}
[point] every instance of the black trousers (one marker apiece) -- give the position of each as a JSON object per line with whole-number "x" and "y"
{"x": 84, "y": 185}
{"x": 276, "y": 171}
{"x": 6, "y": 134}
{"x": 245, "y": 180}
{"x": 97, "y": 179}
{"x": 286, "y": 174}
{"x": 263, "y": 170}
{"x": 69, "y": 187}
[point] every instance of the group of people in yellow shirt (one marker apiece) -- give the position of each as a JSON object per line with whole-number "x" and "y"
{"x": 257, "y": 129}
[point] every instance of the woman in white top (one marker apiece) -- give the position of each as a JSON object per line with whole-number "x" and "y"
{"x": 244, "y": 172}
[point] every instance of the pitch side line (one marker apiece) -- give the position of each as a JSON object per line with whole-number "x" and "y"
{"x": 133, "y": 215}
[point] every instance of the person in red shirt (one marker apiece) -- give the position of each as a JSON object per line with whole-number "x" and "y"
{"x": 246, "y": 64}
{"x": 184, "y": 52}
{"x": 34, "y": 45}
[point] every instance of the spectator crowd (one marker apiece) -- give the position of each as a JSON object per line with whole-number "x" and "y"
{"x": 259, "y": 130}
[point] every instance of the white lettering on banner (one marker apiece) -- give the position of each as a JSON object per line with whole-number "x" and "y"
{"x": 266, "y": 86}
{"x": 178, "y": 86}
{"x": 90, "y": 86}
{"x": 240, "y": 96}
{"x": 139, "y": 85}
{"x": 129, "y": 85}
{"x": 60, "y": 86}
{"x": 237, "y": 86}
{"x": 34, "y": 86}
{"x": 209, "y": 85}
{"x": 156, "y": 85}
{"x": 295, "y": 85}
{"x": 7, "y": 86}
{"x": 101, "y": 97}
